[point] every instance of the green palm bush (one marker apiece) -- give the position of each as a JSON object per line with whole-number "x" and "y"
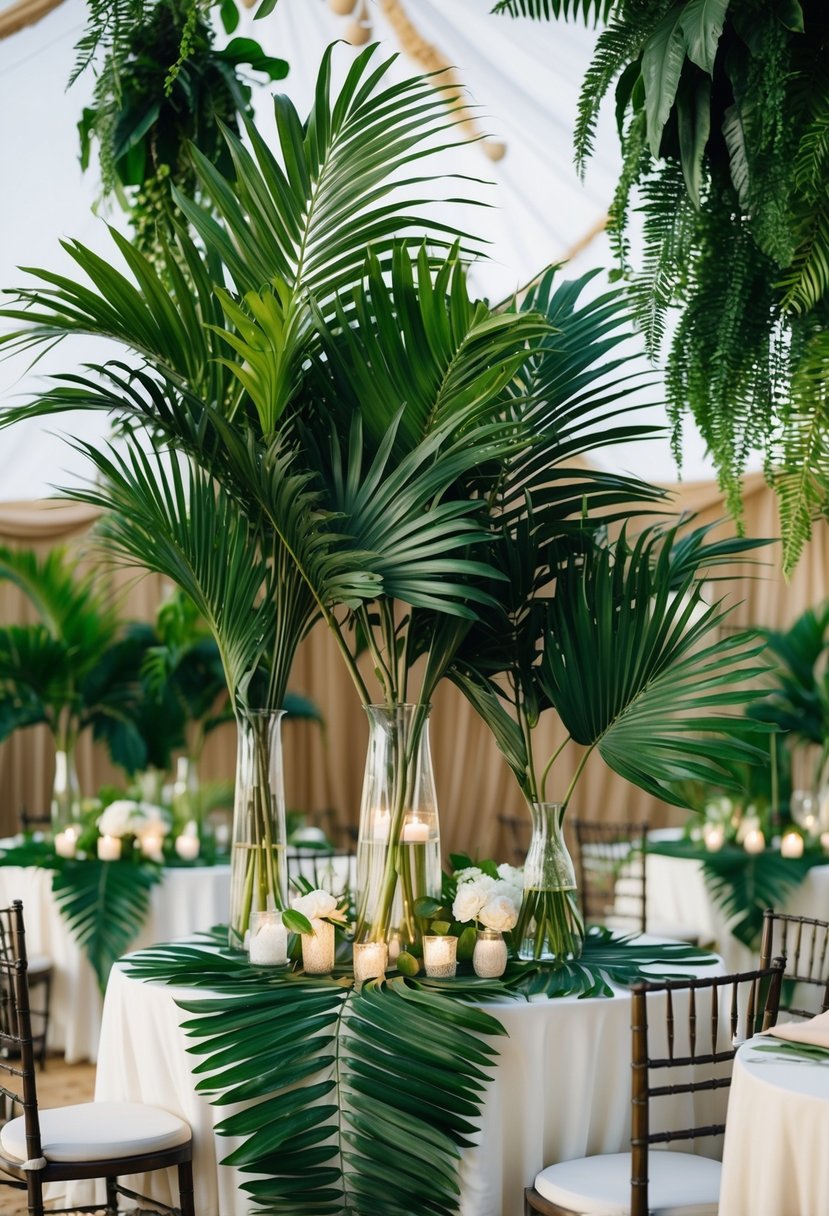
{"x": 341, "y": 432}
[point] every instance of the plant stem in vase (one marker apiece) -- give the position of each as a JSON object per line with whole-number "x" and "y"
{"x": 66, "y": 794}
{"x": 549, "y": 926}
{"x": 398, "y": 851}
{"x": 258, "y": 879}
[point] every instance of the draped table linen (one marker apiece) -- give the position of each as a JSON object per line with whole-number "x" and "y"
{"x": 775, "y": 1159}
{"x": 186, "y": 901}
{"x": 561, "y": 1089}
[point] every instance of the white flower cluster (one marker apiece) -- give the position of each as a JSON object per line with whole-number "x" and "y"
{"x": 493, "y": 902}
{"x": 318, "y": 905}
{"x": 127, "y": 818}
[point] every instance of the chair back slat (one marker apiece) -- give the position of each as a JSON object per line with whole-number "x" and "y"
{"x": 803, "y": 942}
{"x": 751, "y": 999}
{"x": 17, "y": 1057}
{"x": 612, "y": 873}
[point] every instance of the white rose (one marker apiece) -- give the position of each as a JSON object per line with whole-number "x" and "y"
{"x": 514, "y": 875}
{"x": 315, "y": 905}
{"x": 468, "y": 901}
{"x": 120, "y": 818}
{"x": 470, "y": 874}
{"x": 499, "y": 913}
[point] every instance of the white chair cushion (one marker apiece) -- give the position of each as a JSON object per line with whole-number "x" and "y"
{"x": 681, "y": 1184}
{"x": 37, "y": 964}
{"x": 98, "y": 1131}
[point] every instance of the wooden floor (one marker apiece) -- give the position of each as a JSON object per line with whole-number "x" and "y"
{"x": 58, "y": 1084}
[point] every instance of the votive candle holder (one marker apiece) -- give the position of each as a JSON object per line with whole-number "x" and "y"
{"x": 440, "y": 955}
{"x": 318, "y": 948}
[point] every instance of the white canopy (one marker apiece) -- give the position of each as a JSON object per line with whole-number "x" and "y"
{"x": 523, "y": 76}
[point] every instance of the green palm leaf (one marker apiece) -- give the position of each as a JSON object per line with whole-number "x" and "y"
{"x": 588, "y": 10}
{"x": 631, "y": 672}
{"x": 104, "y": 903}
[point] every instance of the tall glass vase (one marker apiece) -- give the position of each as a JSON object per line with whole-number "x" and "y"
{"x": 550, "y": 926}
{"x": 258, "y": 874}
{"x": 66, "y": 792}
{"x": 398, "y": 848}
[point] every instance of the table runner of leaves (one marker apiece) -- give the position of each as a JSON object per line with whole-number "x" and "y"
{"x": 742, "y": 885}
{"x": 104, "y": 903}
{"x": 363, "y": 1100}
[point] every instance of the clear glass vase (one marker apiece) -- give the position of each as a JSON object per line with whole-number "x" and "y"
{"x": 66, "y": 791}
{"x": 258, "y": 874}
{"x": 398, "y": 846}
{"x": 550, "y": 926}
{"x": 186, "y": 800}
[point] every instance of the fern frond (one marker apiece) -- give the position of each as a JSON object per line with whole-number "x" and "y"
{"x": 802, "y": 478}
{"x": 669, "y": 224}
{"x": 538, "y": 10}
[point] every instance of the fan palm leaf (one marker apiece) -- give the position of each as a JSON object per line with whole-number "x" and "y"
{"x": 629, "y": 667}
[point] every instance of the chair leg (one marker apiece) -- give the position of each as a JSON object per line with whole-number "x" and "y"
{"x": 47, "y": 1001}
{"x": 185, "y": 1189}
{"x": 112, "y": 1196}
{"x": 34, "y": 1193}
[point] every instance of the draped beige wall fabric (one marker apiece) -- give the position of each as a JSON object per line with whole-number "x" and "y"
{"x": 324, "y": 768}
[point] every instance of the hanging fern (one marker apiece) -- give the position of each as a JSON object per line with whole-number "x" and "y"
{"x": 723, "y": 113}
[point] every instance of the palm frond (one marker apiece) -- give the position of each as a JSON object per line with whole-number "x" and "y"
{"x": 538, "y": 10}
{"x": 339, "y": 186}
{"x": 631, "y": 672}
{"x": 105, "y": 904}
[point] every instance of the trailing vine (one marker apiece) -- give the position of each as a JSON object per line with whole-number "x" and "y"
{"x": 161, "y": 86}
{"x": 723, "y": 115}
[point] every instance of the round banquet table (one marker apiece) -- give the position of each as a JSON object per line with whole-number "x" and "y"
{"x": 775, "y": 1161}
{"x": 188, "y": 899}
{"x": 561, "y": 1089}
{"x": 677, "y": 895}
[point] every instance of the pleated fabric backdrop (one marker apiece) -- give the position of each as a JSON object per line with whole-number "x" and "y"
{"x": 324, "y": 768}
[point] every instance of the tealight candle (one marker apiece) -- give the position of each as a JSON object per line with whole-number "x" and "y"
{"x": 187, "y": 847}
{"x": 318, "y": 948}
{"x": 791, "y": 845}
{"x": 109, "y": 848}
{"x": 713, "y": 836}
{"x": 66, "y": 842}
{"x": 370, "y": 959}
{"x": 440, "y": 955}
{"x": 754, "y": 841}
{"x": 489, "y": 958}
{"x": 152, "y": 845}
{"x": 416, "y": 831}
{"x": 268, "y": 940}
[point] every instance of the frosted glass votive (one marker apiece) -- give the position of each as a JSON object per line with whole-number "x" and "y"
{"x": 370, "y": 960}
{"x": 268, "y": 940}
{"x": 440, "y": 956}
{"x": 318, "y": 948}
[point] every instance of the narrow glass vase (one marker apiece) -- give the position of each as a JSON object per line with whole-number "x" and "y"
{"x": 66, "y": 793}
{"x": 398, "y": 846}
{"x": 550, "y": 926}
{"x": 258, "y": 875}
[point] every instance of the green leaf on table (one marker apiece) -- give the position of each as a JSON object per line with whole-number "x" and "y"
{"x": 105, "y": 904}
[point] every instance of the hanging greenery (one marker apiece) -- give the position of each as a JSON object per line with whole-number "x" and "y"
{"x": 161, "y": 84}
{"x": 723, "y": 115}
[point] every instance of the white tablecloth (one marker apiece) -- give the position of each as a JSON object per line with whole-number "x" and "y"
{"x": 188, "y": 900}
{"x": 775, "y": 1159}
{"x": 561, "y": 1089}
{"x": 677, "y": 895}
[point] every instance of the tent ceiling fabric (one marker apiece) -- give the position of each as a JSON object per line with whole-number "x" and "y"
{"x": 524, "y": 77}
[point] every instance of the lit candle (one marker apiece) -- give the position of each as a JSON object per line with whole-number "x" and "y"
{"x": 370, "y": 959}
{"x": 754, "y": 841}
{"x": 713, "y": 835}
{"x": 152, "y": 845}
{"x": 187, "y": 846}
{"x": 824, "y": 840}
{"x": 222, "y": 836}
{"x": 416, "y": 831}
{"x": 268, "y": 941}
{"x": 791, "y": 845}
{"x": 66, "y": 842}
{"x": 440, "y": 955}
{"x": 318, "y": 948}
{"x": 109, "y": 848}
{"x": 382, "y": 825}
{"x": 489, "y": 958}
